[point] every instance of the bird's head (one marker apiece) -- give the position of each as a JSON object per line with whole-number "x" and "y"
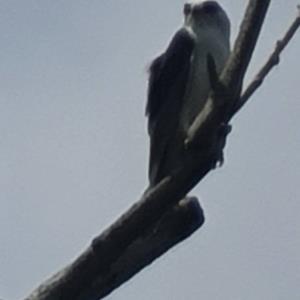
{"x": 202, "y": 15}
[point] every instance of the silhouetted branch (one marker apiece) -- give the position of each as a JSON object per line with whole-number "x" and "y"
{"x": 174, "y": 227}
{"x": 91, "y": 276}
{"x": 157, "y": 222}
{"x": 272, "y": 61}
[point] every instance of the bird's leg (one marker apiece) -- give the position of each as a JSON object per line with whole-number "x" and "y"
{"x": 222, "y": 133}
{"x": 224, "y": 128}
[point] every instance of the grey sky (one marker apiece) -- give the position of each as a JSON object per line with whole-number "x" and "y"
{"x": 74, "y": 152}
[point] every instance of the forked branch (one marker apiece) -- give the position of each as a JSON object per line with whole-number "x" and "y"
{"x": 158, "y": 218}
{"x": 272, "y": 61}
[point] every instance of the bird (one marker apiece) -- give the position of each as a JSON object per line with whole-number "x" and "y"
{"x": 179, "y": 82}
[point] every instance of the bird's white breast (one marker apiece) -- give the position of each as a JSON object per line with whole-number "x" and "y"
{"x": 198, "y": 85}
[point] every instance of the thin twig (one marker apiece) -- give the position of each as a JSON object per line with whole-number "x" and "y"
{"x": 272, "y": 61}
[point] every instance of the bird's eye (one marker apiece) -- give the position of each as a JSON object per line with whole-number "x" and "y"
{"x": 187, "y": 9}
{"x": 210, "y": 7}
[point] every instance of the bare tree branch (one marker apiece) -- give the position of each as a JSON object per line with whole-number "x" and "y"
{"x": 272, "y": 61}
{"x": 111, "y": 259}
{"x": 175, "y": 226}
{"x": 83, "y": 280}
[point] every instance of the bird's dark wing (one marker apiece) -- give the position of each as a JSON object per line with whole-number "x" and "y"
{"x": 167, "y": 83}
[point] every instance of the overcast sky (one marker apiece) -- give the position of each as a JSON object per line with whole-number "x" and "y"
{"x": 74, "y": 151}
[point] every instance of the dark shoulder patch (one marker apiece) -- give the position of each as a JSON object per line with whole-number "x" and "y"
{"x": 165, "y": 69}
